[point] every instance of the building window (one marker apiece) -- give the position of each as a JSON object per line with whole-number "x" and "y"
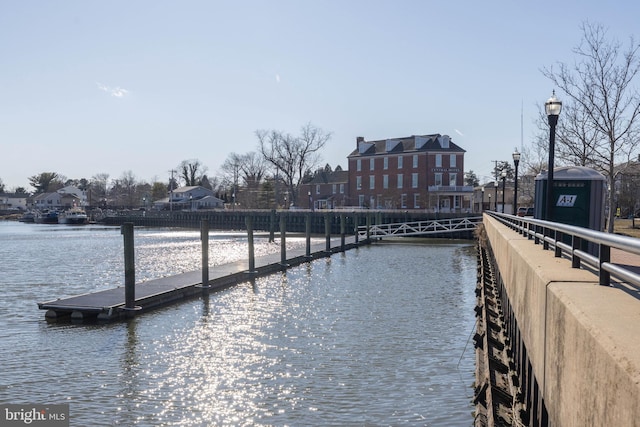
{"x": 333, "y": 188}
{"x": 414, "y": 180}
{"x": 359, "y": 165}
{"x": 358, "y": 183}
{"x": 372, "y": 163}
{"x": 452, "y": 162}
{"x": 452, "y": 179}
{"x": 317, "y": 188}
{"x": 415, "y": 161}
{"x": 416, "y": 200}
{"x": 385, "y": 163}
{"x": 341, "y": 188}
{"x": 361, "y": 200}
{"x": 399, "y": 162}
{"x": 385, "y": 181}
{"x": 372, "y": 182}
{"x": 438, "y": 160}
{"x": 399, "y": 180}
{"x": 403, "y": 200}
{"x": 438, "y": 177}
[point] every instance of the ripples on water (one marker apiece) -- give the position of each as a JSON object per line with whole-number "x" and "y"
{"x": 377, "y": 336}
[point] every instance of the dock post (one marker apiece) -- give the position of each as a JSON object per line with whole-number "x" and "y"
{"x": 327, "y": 232}
{"x": 307, "y": 232}
{"x": 283, "y": 239}
{"x": 252, "y": 259}
{"x": 368, "y": 226}
{"x": 356, "y": 224}
{"x": 272, "y": 225}
{"x": 129, "y": 269}
{"x": 204, "y": 238}
{"x": 342, "y": 231}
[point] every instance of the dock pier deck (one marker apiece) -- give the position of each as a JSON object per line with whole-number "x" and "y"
{"x": 109, "y": 304}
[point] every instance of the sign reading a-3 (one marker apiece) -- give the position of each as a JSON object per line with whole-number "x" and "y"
{"x": 566, "y": 200}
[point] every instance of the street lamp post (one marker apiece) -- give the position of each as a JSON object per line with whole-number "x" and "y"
{"x": 481, "y": 202}
{"x": 552, "y": 107}
{"x": 495, "y": 191}
{"x": 310, "y": 201}
{"x": 489, "y": 201}
{"x": 504, "y": 179}
{"x": 516, "y": 162}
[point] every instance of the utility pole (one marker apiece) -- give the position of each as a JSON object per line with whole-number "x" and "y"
{"x": 495, "y": 185}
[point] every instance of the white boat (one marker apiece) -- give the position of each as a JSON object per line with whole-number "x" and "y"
{"x": 73, "y": 216}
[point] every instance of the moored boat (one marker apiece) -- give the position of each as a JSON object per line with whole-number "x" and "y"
{"x": 46, "y": 217}
{"x": 73, "y": 216}
{"x": 27, "y": 217}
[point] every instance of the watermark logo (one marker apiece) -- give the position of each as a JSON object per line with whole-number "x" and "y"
{"x": 566, "y": 200}
{"x": 34, "y": 415}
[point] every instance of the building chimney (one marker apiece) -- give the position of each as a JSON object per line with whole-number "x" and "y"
{"x": 359, "y": 139}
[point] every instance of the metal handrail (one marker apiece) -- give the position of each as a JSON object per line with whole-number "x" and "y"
{"x": 419, "y": 228}
{"x": 598, "y": 256}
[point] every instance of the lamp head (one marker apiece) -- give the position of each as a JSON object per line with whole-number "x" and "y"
{"x": 553, "y": 106}
{"x": 516, "y": 156}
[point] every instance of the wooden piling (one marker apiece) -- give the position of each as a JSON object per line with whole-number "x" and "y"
{"x": 307, "y": 226}
{"x": 343, "y": 227}
{"x": 272, "y": 225}
{"x": 129, "y": 268}
{"x": 252, "y": 258}
{"x": 327, "y": 232}
{"x": 204, "y": 238}
{"x": 356, "y": 224}
{"x": 283, "y": 241}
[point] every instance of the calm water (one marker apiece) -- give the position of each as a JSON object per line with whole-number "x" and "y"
{"x": 376, "y": 336}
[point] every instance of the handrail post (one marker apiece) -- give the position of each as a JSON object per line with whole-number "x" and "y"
{"x": 605, "y": 256}
{"x": 558, "y": 250}
{"x": 576, "y": 242}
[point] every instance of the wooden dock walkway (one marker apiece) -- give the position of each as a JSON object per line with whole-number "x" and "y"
{"x": 109, "y": 304}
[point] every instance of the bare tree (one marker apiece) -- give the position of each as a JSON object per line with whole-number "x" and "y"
{"x": 292, "y": 156}
{"x": 191, "y": 172}
{"x": 599, "y": 85}
{"x": 577, "y": 138}
{"x": 247, "y": 170}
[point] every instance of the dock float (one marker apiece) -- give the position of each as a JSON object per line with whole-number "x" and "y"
{"x": 110, "y": 304}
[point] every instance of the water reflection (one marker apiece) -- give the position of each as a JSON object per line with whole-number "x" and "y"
{"x": 376, "y": 335}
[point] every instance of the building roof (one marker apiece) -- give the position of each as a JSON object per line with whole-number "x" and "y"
{"x": 413, "y": 143}
{"x": 335, "y": 177}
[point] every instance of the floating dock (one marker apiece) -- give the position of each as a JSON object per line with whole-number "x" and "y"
{"x": 109, "y": 305}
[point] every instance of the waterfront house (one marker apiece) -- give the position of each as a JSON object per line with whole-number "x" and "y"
{"x": 189, "y": 198}
{"x": 326, "y": 190}
{"x": 13, "y": 201}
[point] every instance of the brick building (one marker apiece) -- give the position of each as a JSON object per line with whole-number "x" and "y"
{"x": 418, "y": 172}
{"x": 327, "y": 190}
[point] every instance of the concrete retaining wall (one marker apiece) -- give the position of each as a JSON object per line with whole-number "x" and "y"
{"x": 582, "y": 339}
